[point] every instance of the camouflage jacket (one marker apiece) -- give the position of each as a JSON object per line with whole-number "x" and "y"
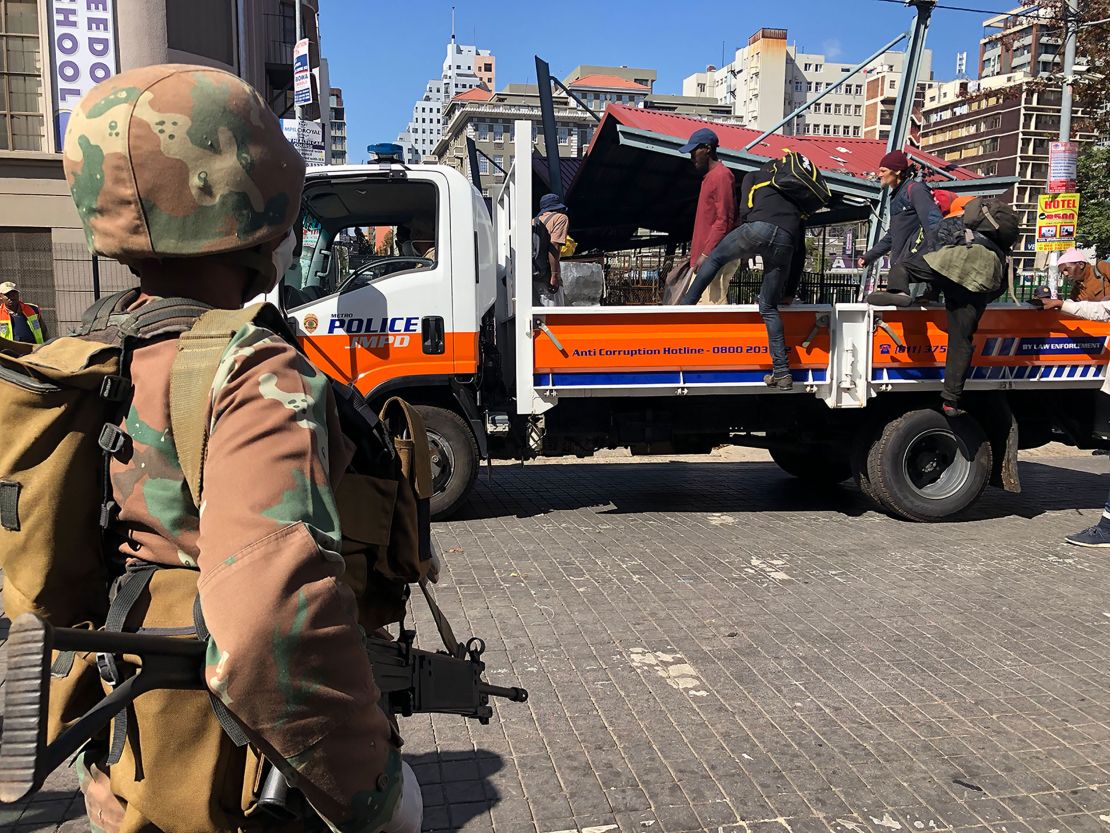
{"x": 285, "y": 654}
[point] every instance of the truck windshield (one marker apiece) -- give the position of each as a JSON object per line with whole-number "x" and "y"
{"x": 356, "y": 232}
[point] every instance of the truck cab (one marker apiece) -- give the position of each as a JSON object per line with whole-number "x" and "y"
{"x": 395, "y": 278}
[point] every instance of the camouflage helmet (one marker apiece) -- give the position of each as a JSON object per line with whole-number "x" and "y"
{"x": 176, "y": 161}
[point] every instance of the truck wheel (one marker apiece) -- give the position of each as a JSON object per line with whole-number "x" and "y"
{"x": 812, "y": 465}
{"x": 927, "y": 467}
{"x": 861, "y": 447}
{"x": 454, "y": 459}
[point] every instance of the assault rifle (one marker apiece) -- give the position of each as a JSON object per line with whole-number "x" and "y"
{"x": 411, "y": 681}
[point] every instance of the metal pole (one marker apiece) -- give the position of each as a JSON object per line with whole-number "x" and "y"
{"x": 472, "y": 158}
{"x": 298, "y": 28}
{"x": 1071, "y": 29}
{"x": 571, "y": 93}
{"x": 550, "y": 131}
{"x": 856, "y": 70}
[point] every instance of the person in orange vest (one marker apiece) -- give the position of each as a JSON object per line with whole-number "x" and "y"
{"x": 19, "y": 321}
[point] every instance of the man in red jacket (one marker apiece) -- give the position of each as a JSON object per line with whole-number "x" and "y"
{"x": 717, "y": 200}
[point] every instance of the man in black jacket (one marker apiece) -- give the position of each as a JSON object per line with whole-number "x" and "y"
{"x": 771, "y": 227}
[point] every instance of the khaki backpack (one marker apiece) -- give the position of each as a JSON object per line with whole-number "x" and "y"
{"x": 61, "y": 404}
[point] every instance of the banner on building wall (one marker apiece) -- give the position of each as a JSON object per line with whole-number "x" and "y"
{"x": 302, "y": 74}
{"x": 1057, "y": 218}
{"x": 308, "y": 138}
{"x": 82, "y": 52}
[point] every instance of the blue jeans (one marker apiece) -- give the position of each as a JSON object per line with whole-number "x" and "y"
{"x": 776, "y": 247}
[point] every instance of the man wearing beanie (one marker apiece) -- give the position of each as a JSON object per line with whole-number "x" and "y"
{"x": 914, "y": 215}
{"x": 1099, "y": 534}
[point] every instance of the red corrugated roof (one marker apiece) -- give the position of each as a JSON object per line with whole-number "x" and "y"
{"x": 475, "y": 94}
{"x": 609, "y": 82}
{"x": 853, "y": 157}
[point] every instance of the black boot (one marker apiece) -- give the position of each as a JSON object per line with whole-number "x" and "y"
{"x": 889, "y": 299}
{"x": 783, "y": 381}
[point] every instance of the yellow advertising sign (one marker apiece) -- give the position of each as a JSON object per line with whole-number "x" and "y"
{"x": 1057, "y": 218}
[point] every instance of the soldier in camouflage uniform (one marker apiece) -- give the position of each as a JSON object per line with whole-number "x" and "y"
{"x": 182, "y": 173}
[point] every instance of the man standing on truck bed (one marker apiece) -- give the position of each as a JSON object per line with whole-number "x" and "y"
{"x": 771, "y": 227}
{"x": 547, "y": 284}
{"x": 914, "y": 215}
{"x": 716, "y": 215}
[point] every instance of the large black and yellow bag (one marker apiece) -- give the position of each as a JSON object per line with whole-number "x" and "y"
{"x": 798, "y": 179}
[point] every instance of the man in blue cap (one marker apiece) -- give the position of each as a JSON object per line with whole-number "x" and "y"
{"x": 547, "y": 283}
{"x": 717, "y": 200}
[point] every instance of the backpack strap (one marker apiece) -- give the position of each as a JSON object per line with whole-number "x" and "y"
{"x": 199, "y": 351}
{"x": 96, "y": 317}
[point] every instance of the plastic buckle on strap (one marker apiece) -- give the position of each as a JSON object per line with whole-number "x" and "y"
{"x": 109, "y": 671}
{"x": 112, "y": 439}
{"x": 115, "y": 388}
{"x": 108, "y": 513}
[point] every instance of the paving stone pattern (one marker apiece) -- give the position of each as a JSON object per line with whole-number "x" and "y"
{"x": 716, "y": 647}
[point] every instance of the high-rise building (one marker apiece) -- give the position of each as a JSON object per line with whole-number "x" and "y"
{"x": 769, "y": 78}
{"x": 56, "y": 53}
{"x": 338, "y": 128}
{"x": 464, "y": 68}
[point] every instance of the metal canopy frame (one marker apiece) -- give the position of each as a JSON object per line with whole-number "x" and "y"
{"x": 842, "y": 185}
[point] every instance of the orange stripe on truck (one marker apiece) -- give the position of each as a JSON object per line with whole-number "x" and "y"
{"x": 1006, "y": 338}
{"x": 675, "y": 341}
{"x": 372, "y": 359}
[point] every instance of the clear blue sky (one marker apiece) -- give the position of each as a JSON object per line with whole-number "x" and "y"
{"x": 383, "y": 53}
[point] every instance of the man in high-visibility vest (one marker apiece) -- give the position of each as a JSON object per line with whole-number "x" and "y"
{"x": 19, "y": 321}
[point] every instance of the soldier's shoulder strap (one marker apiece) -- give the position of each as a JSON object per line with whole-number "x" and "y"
{"x": 199, "y": 350}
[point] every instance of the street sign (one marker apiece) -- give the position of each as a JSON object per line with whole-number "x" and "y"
{"x": 302, "y": 74}
{"x": 308, "y": 138}
{"x": 1062, "y": 158}
{"x": 1057, "y": 218}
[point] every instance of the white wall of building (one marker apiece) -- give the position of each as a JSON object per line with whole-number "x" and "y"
{"x": 763, "y": 85}
{"x": 458, "y": 75}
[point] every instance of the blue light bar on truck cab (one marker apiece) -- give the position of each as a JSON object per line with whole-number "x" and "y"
{"x": 386, "y": 152}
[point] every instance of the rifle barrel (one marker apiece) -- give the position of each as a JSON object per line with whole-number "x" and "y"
{"x": 513, "y": 693}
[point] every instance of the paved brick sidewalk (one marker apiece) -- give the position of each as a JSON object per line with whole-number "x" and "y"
{"x": 715, "y": 647}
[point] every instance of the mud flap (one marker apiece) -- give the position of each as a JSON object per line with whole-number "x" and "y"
{"x": 1008, "y": 469}
{"x": 998, "y": 420}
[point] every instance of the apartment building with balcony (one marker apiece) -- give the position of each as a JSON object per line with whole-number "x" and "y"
{"x": 55, "y": 53}
{"x": 1022, "y": 41}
